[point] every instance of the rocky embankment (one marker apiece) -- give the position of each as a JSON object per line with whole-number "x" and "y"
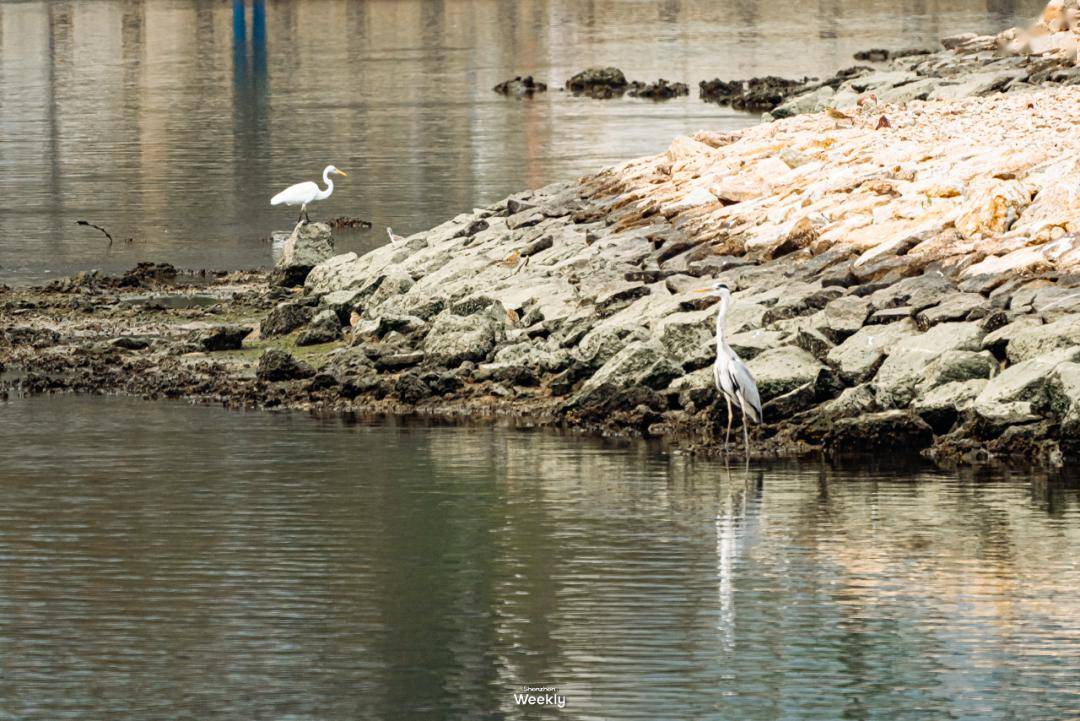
{"x": 1014, "y": 61}
{"x": 910, "y": 284}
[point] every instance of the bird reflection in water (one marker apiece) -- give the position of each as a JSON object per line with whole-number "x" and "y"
{"x": 737, "y": 529}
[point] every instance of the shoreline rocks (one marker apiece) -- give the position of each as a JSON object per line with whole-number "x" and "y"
{"x": 599, "y": 83}
{"x": 521, "y": 87}
{"x": 913, "y": 285}
{"x": 1016, "y": 60}
{"x": 607, "y": 83}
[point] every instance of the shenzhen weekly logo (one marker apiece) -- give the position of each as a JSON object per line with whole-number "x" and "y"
{"x": 539, "y": 696}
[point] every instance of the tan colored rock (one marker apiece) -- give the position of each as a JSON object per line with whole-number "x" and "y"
{"x": 991, "y": 207}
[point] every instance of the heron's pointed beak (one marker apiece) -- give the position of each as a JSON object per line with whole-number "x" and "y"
{"x": 342, "y": 172}
{"x": 702, "y": 290}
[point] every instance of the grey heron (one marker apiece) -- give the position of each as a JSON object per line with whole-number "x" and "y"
{"x": 394, "y": 238}
{"x": 733, "y": 378}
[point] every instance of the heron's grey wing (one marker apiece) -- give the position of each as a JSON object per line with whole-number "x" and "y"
{"x": 724, "y": 382}
{"x": 746, "y": 385}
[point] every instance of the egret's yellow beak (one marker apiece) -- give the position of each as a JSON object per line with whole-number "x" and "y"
{"x": 342, "y": 172}
{"x": 702, "y": 290}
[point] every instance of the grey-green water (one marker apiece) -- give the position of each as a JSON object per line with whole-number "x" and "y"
{"x": 172, "y": 122}
{"x": 163, "y": 561}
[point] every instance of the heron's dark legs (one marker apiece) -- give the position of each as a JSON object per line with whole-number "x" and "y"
{"x": 727, "y": 436}
{"x": 746, "y": 437}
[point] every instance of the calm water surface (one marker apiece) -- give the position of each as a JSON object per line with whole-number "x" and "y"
{"x": 172, "y": 122}
{"x": 165, "y": 561}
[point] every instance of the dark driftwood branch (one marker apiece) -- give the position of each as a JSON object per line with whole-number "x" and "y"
{"x": 83, "y": 222}
{"x": 348, "y": 221}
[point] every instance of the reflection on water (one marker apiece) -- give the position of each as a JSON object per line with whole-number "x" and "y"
{"x": 172, "y": 123}
{"x": 167, "y": 561}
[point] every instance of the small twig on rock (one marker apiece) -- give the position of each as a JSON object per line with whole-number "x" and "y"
{"x": 83, "y": 222}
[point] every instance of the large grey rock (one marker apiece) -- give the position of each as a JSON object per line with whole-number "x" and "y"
{"x": 324, "y": 328}
{"x": 1020, "y": 392}
{"x": 953, "y": 308}
{"x": 842, "y": 317}
{"x": 997, "y": 341}
{"x": 791, "y": 403}
{"x": 880, "y": 79}
{"x": 286, "y": 317}
{"x": 688, "y": 337}
{"x": 1065, "y": 399}
{"x": 859, "y": 357}
{"x": 811, "y": 102}
{"x": 977, "y": 84}
{"x": 957, "y": 365}
{"x": 799, "y": 299}
{"x": 886, "y": 316}
{"x": 341, "y": 272}
{"x": 598, "y": 82}
{"x": 403, "y": 324}
{"x": 783, "y": 369}
{"x": 454, "y": 339}
{"x": 422, "y": 304}
{"x": 643, "y": 364}
{"x": 539, "y": 356}
{"x": 886, "y": 430}
{"x": 941, "y": 406}
{"x": 604, "y": 341}
{"x": 394, "y": 282}
{"x": 918, "y": 292}
{"x": 342, "y": 302}
{"x": 1036, "y": 341}
{"x": 222, "y": 336}
{"x": 1055, "y": 302}
{"x": 855, "y": 401}
{"x": 308, "y": 245}
{"x": 906, "y": 92}
{"x": 743, "y": 316}
{"x": 349, "y": 272}
{"x": 752, "y": 343}
{"x": 906, "y": 364}
{"x": 277, "y": 365}
{"x": 693, "y": 391}
{"x": 814, "y": 342}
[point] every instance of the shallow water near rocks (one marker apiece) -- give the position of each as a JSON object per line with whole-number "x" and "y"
{"x": 160, "y": 560}
{"x": 172, "y": 123}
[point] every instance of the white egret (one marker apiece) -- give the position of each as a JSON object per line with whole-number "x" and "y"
{"x": 303, "y": 193}
{"x": 394, "y": 238}
{"x": 732, "y": 377}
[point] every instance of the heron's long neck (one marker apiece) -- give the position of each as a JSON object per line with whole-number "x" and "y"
{"x": 721, "y": 316}
{"x": 323, "y": 194}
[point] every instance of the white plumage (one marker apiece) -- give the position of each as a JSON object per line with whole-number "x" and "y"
{"x": 308, "y": 192}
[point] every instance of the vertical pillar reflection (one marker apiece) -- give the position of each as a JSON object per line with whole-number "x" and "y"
{"x": 250, "y": 106}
